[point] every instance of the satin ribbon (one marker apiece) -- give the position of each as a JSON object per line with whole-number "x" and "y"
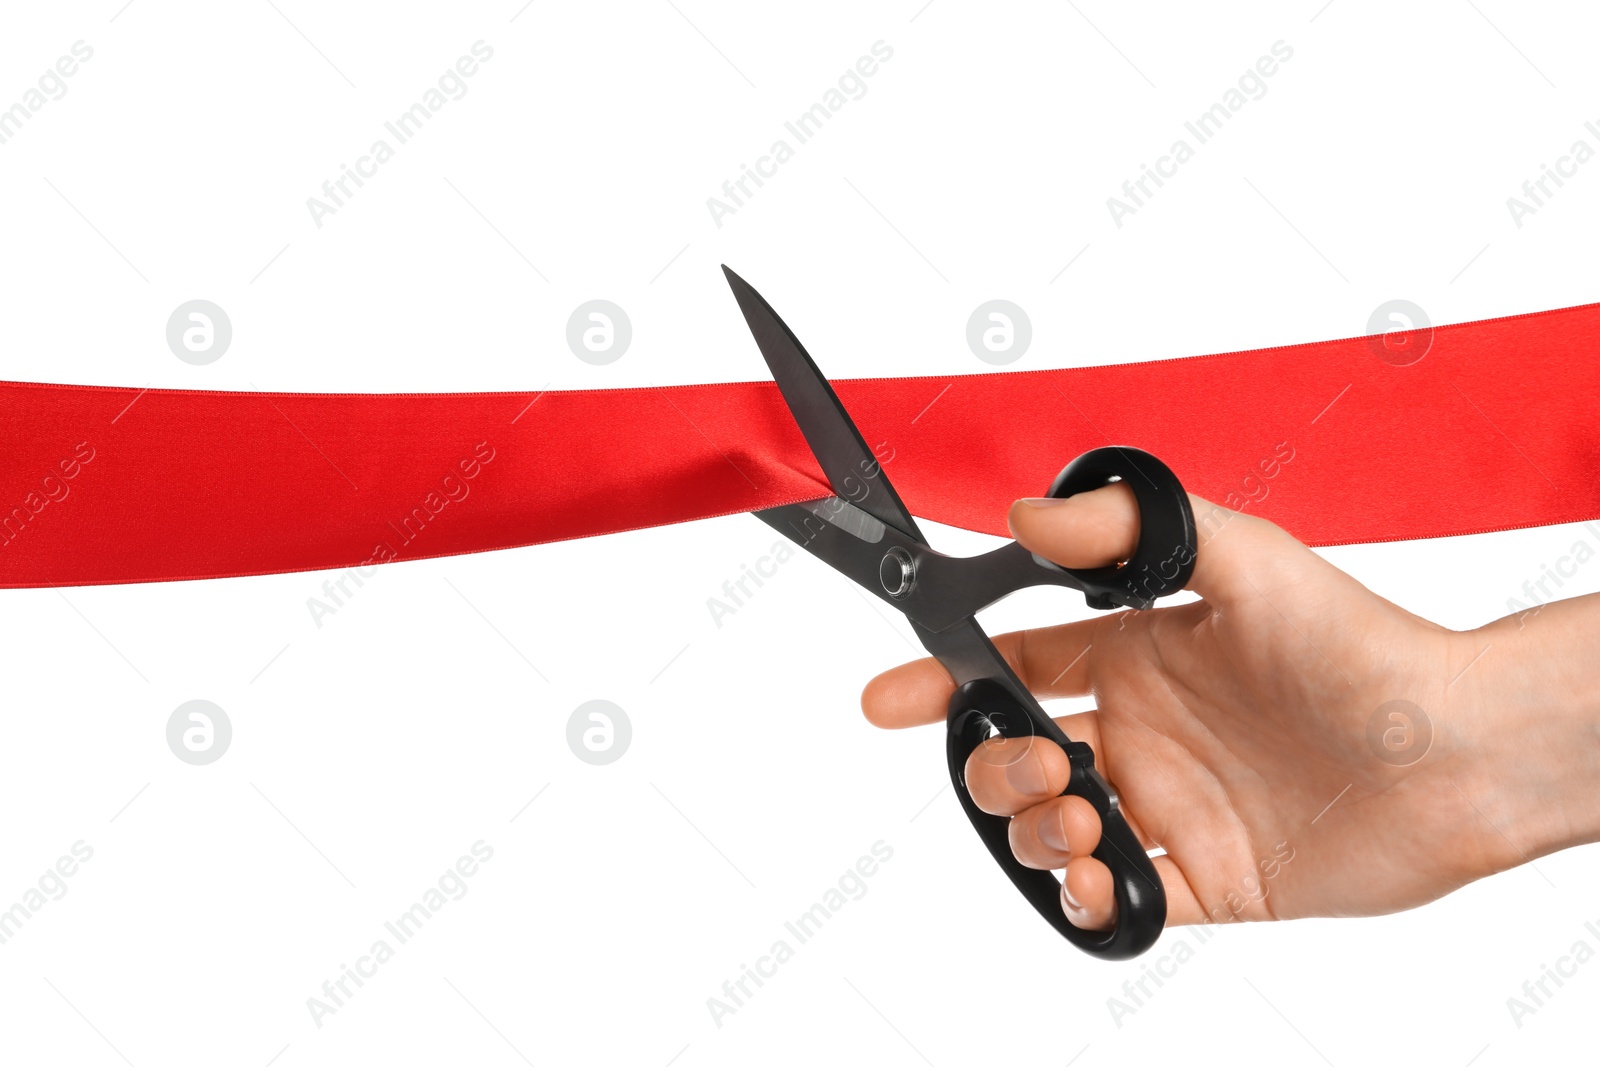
{"x": 1493, "y": 428}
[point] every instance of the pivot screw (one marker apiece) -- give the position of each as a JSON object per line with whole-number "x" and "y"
{"x": 898, "y": 572}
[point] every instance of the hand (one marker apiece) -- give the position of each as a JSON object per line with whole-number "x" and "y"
{"x": 1236, "y": 729}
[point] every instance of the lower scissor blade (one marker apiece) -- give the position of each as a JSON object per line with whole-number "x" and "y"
{"x": 843, "y": 537}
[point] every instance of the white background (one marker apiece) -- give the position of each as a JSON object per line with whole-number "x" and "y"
{"x": 370, "y": 753}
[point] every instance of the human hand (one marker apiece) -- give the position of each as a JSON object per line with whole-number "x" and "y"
{"x": 1236, "y": 730}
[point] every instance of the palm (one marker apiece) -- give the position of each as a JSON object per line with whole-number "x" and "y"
{"x": 1239, "y": 740}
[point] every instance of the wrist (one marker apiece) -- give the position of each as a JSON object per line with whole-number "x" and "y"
{"x": 1529, "y": 707}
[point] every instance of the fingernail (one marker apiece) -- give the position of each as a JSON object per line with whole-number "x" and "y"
{"x": 1044, "y": 501}
{"x": 1026, "y": 775}
{"x": 1072, "y": 901}
{"x": 1054, "y": 834}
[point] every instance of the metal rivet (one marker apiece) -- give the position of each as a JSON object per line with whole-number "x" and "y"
{"x": 898, "y": 572}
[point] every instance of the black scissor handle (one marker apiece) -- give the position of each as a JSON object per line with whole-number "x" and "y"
{"x": 979, "y": 707}
{"x": 1164, "y": 558}
{"x": 1162, "y": 563}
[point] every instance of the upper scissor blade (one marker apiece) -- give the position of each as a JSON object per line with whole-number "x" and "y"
{"x": 851, "y": 467}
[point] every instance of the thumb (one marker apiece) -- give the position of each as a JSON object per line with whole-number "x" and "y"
{"x": 1100, "y": 527}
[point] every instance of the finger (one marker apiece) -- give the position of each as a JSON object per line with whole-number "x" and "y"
{"x": 1085, "y": 726}
{"x": 1006, "y": 775}
{"x": 1061, "y": 834}
{"x": 1243, "y": 558}
{"x": 889, "y": 707}
{"x": 1087, "y": 894}
{"x": 1183, "y": 904}
{"x": 1100, "y": 527}
{"x": 1091, "y": 529}
{"x": 912, "y": 694}
{"x": 1047, "y": 836}
{"x": 1051, "y": 662}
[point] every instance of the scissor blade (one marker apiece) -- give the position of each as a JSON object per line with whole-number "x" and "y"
{"x": 840, "y": 536}
{"x": 851, "y": 467}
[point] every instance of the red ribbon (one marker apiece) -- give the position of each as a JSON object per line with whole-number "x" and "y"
{"x": 1493, "y": 428}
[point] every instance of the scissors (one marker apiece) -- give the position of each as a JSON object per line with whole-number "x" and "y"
{"x": 865, "y": 531}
